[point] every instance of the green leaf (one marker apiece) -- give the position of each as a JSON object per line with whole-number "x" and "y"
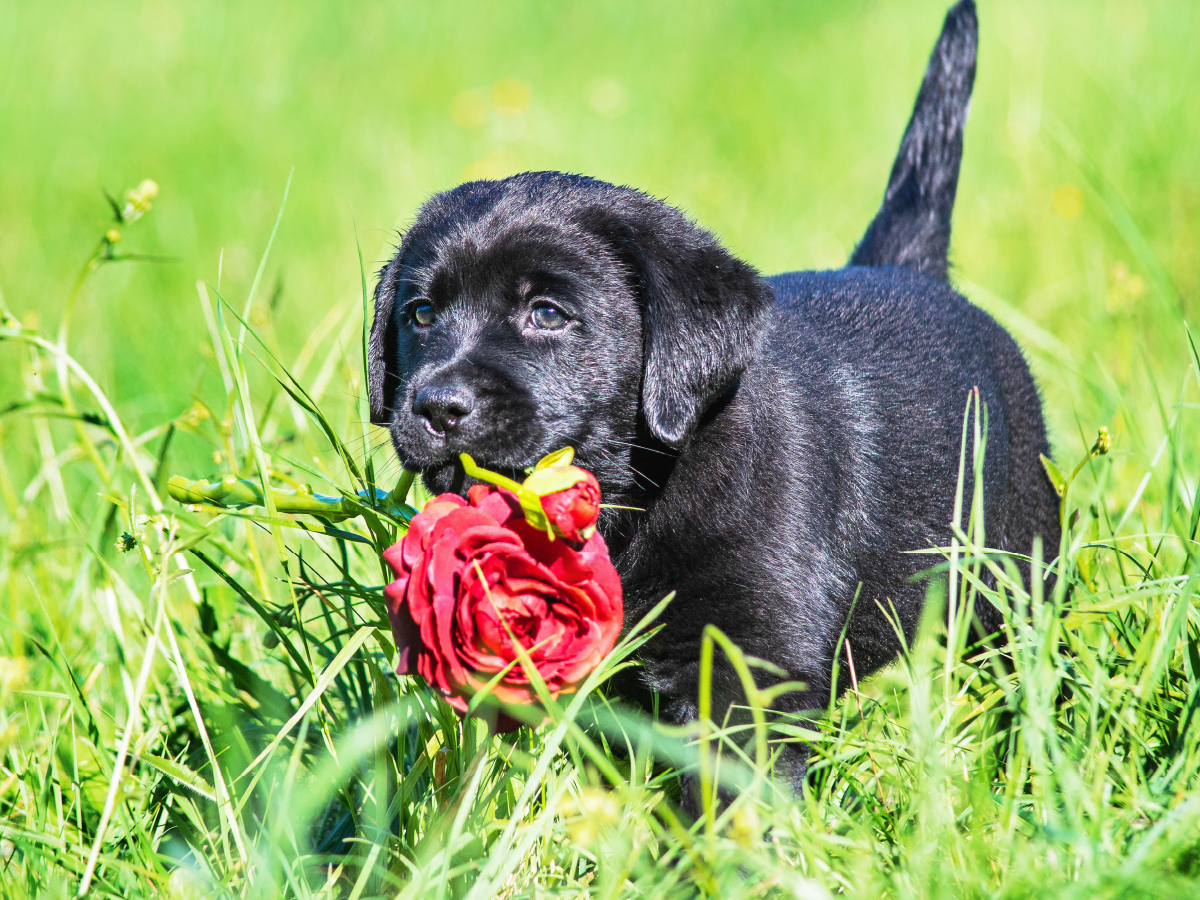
{"x": 1056, "y": 477}
{"x": 561, "y": 457}
{"x": 553, "y": 479}
{"x": 181, "y": 773}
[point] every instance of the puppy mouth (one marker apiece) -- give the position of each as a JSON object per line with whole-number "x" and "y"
{"x": 449, "y": 477}
{"x": 447, "y": 453}
{"x": 435, "y": 456}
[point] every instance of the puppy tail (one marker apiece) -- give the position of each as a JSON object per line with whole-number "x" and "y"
{"x": 912, "y": 227}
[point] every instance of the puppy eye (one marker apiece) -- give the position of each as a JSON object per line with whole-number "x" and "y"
{"x": 422, "y": 314}
{"x": 547, "y": 317}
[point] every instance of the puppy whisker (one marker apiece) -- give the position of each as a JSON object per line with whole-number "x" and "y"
{"x": 636, "y": 446}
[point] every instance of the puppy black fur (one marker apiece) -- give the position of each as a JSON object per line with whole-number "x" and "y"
{"x": 788, "y": 438}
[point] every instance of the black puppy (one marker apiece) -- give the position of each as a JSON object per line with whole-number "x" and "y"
{"x": 787, "y": 438}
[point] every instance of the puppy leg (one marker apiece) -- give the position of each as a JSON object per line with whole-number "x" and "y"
{"x": 791, "y": 765}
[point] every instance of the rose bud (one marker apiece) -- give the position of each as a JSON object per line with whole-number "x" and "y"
{"x": 574, "y": 510}
{"x": 557, "y": 497}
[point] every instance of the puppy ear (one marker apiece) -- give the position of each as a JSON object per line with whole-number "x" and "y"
{"x": 382, "y": 379}
{"x": 703, "y": 311}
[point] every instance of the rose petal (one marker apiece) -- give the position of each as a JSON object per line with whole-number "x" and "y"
{"x": 459, "y": 521}
{"x": 408, "y": 641}
{"x": 498, "y": 503}
{"x": 419, "y": 595}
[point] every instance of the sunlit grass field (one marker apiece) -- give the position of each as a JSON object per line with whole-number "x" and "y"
{"x": 212, "y": 712}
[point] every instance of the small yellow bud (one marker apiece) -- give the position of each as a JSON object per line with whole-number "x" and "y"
{"x": 137, "y": 200}
{"x": 112, "y": 235}
{"x": 1103, "y": 442}
{"x": 194, "y": 416}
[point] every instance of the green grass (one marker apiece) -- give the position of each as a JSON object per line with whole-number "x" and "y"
{"x": 234, "y": 730}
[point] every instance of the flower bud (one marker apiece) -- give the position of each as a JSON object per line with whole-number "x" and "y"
{"x": 573, "y": 510}
{"x": 138, "y": 199}
{"x": 557, "y": 497}
{"x": 568, "y": 495}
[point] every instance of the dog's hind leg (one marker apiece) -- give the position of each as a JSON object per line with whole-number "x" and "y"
{"x": 912, "y": 227}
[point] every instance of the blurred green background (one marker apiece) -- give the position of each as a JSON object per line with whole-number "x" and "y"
{"x": 772, "y": 123}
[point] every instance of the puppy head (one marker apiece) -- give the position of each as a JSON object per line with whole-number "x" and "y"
{"x": 546, "y": 310}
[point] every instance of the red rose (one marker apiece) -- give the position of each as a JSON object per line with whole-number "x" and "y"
{"x": 574, "y": 511}
{"x": 467, "y": 569}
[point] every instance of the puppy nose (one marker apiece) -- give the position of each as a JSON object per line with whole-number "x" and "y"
{"x": 443, "y": 405}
